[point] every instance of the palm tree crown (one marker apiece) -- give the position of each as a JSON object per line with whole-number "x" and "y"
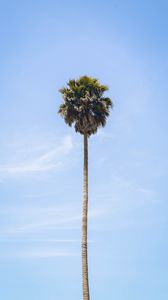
{"x": 84, "y": 104}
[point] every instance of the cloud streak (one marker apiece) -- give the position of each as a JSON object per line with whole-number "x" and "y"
{"x": 39, "y": 220}
{"x": 50, "y": 160}
{"x": 45, "y": 253}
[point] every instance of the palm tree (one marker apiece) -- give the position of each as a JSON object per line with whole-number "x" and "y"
{"x": 87, "y": 109}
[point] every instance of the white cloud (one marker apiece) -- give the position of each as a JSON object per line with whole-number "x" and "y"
{"x": 33, "y": 252}
{"x": 45, "y": 253}
{"x": 50, "y": 160}
{"x": 106, "y": 134}
{"x": 130, "y": 185}
{"x": 34, "y": 221}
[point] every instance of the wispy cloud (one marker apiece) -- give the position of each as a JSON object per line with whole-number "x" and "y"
{"x": 39, "y": 220}
{"x": 34, "y": 252}
{"x": 35, "y": 231}
{"x": 50, "y": 160}
{"x": 102, "y": 133}
{"x": 125, "y": 183}
{"x": 45, "y": 253}
{"x": 40, "y": 240}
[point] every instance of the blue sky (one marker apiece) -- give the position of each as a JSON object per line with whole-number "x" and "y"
{"x": 43, "y": 45}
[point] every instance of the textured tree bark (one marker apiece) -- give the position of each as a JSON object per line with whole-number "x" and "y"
{"x": 85, "y": 280}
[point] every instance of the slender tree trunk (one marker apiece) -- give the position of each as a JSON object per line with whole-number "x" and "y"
{"x": 84, "y": 224}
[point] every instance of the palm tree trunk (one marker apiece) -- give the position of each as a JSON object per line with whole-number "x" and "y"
{"x": 84, "y": 224}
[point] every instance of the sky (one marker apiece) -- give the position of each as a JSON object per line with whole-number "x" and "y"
{"x": 44, "y": 44}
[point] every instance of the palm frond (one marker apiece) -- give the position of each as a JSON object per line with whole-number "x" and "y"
{"x": 84, "y": 104}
